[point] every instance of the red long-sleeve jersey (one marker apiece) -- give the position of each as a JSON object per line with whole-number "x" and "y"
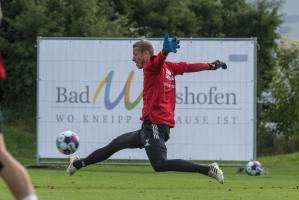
{"x": 2, "y": 70}
{"x": 159, "y": 88}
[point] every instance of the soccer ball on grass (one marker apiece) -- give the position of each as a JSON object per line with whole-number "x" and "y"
{"x": 253, "y": 168}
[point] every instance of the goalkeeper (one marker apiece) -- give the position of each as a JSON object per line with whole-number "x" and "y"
{"x": 159, "y": 97}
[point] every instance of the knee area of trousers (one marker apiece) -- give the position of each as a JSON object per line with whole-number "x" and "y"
{"x": 158, "y": 167}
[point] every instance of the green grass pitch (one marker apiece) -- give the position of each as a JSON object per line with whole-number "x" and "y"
{"x": 110, "y": 182}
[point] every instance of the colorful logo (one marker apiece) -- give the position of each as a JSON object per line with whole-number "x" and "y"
{"x": 129, "y": 105}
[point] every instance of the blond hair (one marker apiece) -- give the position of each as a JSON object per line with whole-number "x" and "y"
{"x": 144, "y": 45}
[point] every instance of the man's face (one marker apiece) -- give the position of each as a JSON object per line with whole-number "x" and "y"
{"x": 140, "y": 57}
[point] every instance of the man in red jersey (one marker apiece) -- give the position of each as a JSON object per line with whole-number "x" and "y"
{"x": 159, "y": 98}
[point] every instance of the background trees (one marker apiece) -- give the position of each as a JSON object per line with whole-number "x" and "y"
{"x": 283, "y": 110}
{"x": 24, "y": 21}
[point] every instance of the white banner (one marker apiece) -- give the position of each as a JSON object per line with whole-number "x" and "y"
{"x": 92, "y": 87}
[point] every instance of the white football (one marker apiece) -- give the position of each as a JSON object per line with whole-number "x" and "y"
{"x": 253, "y": 168}
{"x": 67, "y": 142}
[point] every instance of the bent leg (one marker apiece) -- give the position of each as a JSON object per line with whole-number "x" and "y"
{"x": 159, "y": 162}
{"x": 14, "y": 174}
{"x": 156, "y": 150}
{"x": 125, "y": 141}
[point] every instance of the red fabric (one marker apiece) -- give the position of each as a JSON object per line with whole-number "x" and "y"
{"x": 159, "y": 93}
{"x": 2, "y": 70}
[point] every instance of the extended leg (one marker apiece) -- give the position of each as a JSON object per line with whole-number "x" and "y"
{"x": 125, "y": 141}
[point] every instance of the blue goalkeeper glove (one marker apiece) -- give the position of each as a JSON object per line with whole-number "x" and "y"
{"x": 217, "y": 64}
{"x": 170, "y": 45}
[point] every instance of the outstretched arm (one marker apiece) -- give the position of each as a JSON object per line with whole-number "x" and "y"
{"x": 183, "y": 67}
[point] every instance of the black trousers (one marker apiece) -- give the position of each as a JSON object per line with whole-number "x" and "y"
{"x": 152, "y": 137}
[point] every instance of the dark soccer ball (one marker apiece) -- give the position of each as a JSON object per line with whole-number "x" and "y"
{"x": 67, "y": 142}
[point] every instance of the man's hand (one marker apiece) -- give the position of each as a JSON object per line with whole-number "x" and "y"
{"x": 217, "y": 64}
{"x": 170, "y": 45}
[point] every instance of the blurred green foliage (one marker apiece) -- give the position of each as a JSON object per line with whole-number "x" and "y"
{"x": 24, "y": 21}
